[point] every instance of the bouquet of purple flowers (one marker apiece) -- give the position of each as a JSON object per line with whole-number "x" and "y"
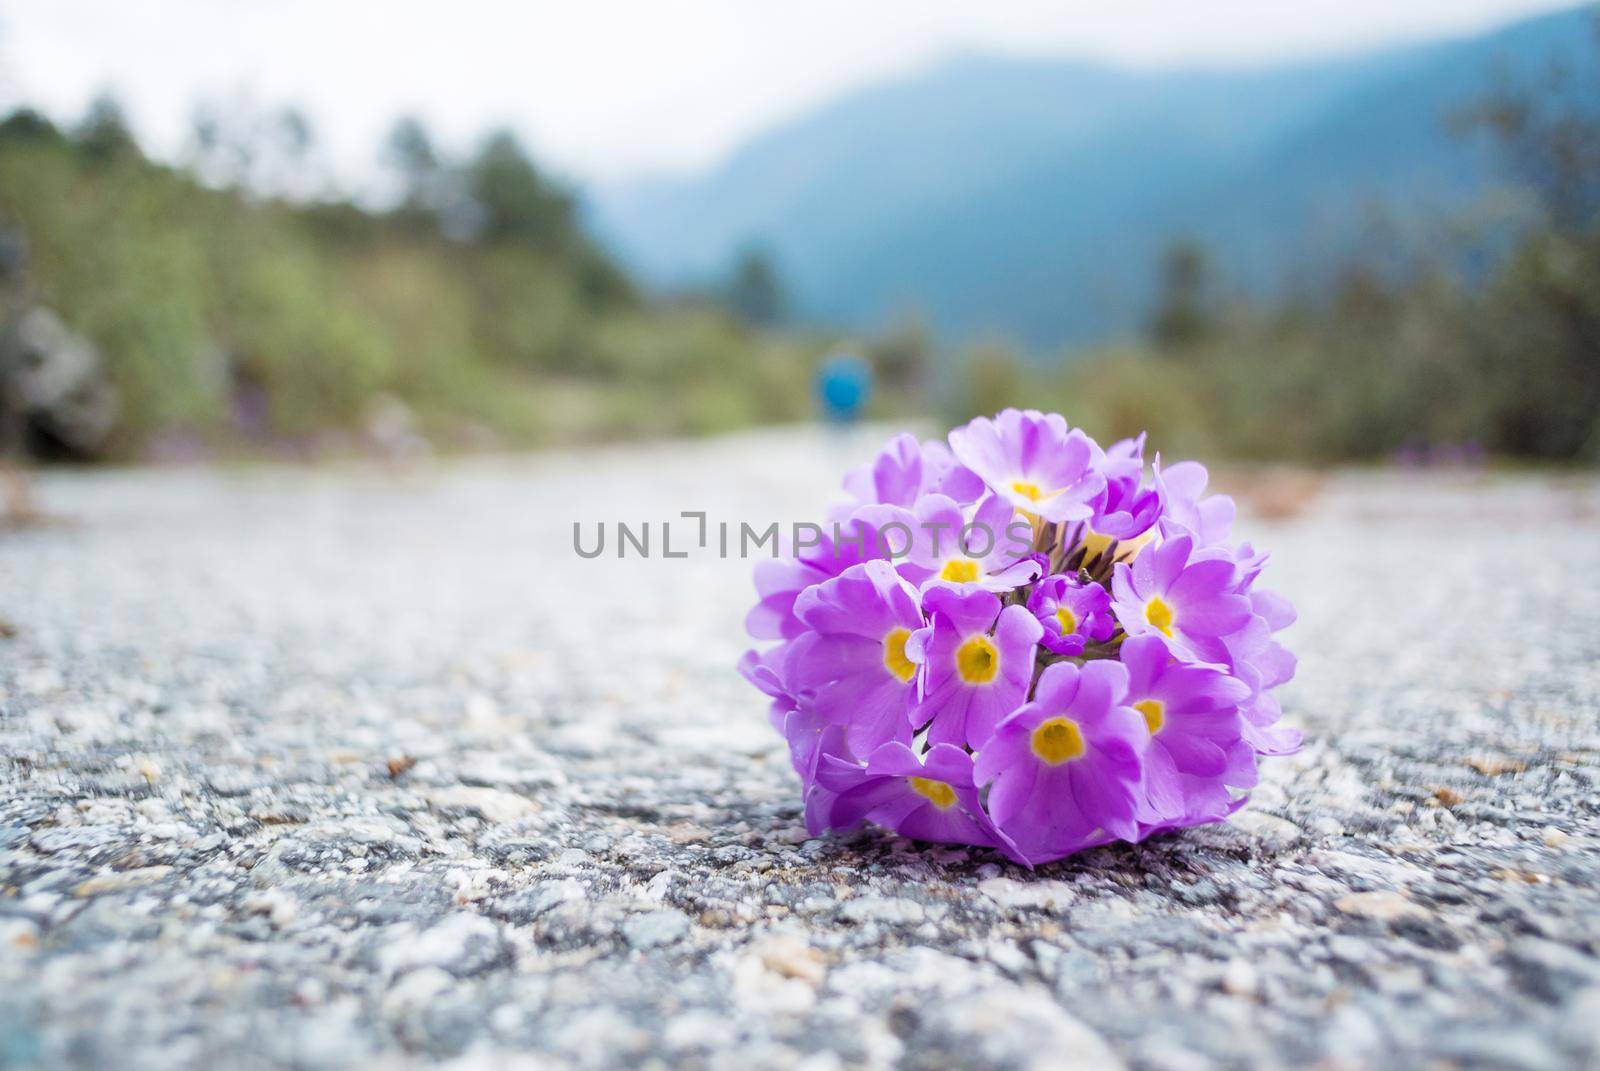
{"x": 1017, "y": 641}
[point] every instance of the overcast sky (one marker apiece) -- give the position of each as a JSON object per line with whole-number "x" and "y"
{"x": 604, "y": 90}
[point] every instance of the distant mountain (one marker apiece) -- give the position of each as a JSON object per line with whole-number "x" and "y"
{"x": 1032, "y": 198}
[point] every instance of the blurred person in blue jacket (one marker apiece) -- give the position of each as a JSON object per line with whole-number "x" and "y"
{"x": 843, "y": 386}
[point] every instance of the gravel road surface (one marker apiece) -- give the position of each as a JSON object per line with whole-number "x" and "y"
{"x": 366, "y": 767}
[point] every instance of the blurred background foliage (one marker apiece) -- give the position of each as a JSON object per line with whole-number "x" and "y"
{"x": 1484, "y": 341}
{"x": 478, "y": 307}
{"x": 479, "y": 312}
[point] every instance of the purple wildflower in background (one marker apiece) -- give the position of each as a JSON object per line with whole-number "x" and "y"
{"x": 1074, "y": 614}
{"x": 1052, "y": 653}
{"x": 977, "y": 663}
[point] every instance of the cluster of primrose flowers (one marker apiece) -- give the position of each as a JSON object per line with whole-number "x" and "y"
{"x": 1017, "y": 640}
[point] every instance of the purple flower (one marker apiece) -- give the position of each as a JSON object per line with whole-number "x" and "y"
{"x": 949, "y": 477}
{"x": 764, "y": 669}
{"x": 1261, "y": 663}
{"x": 813, "y": 741}
{"x": 852, "y": 659}
{"x": 1034, "y": 460}
{"x": 894, "y": 477}
{"x": 932, "y": 798}
{"x": 1196, "y": 748}
{"x": 1126, "y": 511}
{"x": 906, "y": 678}
{"x": 903, "y": 471}
{"x": 1246, "y": 559}
{"x": 1191, "y": 602}
{"x": 1122, "y": 462}
{"x": 978, "y": 663}
{"x": 1184, "y": 512}
{"x": 1064, "y": 771}
{"x": 992, "y": 550}
{"x": 779, "y": 581}
{"x": 1072, "y": 613}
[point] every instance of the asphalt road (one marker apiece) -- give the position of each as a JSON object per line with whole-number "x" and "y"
{"x": 367, "y": 767}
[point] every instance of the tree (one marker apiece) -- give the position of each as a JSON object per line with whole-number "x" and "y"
{"x": 1538, "y": 333}
{"x": 755, "y": 292}
{"x": 1549, "y": 137}
{"x": 517, "y": 203}
{"x": 295, "y": 135}
{"x": 25, "y": 126}
{"x": 409, "y": 151}
{"x": 1186, "y": 304}
{"x": 214, "y": 154}
{"x": 103, "y": 135}
{"x": 901, "y": 355}
{"x": 990, "y": 379}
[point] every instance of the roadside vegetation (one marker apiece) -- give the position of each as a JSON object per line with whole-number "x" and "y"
{"x": 477, "y": 307}
{"x": 237, "y": 308}
{"x": 1483, "y": 343}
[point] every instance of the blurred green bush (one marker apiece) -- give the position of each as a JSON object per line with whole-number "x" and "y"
{"x": 1458, "y": 352}
{"x": 480, "y": 308}
{"x": 237, "y": 320}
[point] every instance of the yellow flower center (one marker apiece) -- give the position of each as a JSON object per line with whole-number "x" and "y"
{"x": 977, "y": 660}
{"x": 1027, "y": 490}
{"x": 1068, "y": 619}
{"x": 962, "y": 571}
{"x": 1095, "y": 544}
{"x": 1155, "y": 714}
{"x": 938, "y": 793}
{"x": 1057, "y": 740}
{"x": 1159, "y": 614}
{"x": 894, "y": 654}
